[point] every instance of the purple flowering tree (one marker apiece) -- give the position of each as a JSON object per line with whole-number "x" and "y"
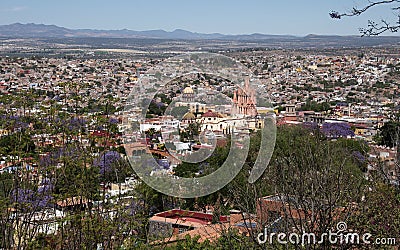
{"x": 133, "y": 207}
{"x": 106, "y": 161}
{"x": 113, "y": 125}
{"x": 313, "y": 126}
{"x": 337, "y": 130}
{"x": 359, "y": 156}
{"x": 113, "y": 121}
{"x": 51, "y": 159}
{"x": 13, "y": 122}
{"x": 360, "y": 160}
{"x": 27, "y": 199}
{"x": 76, "y": 125}
{"x": 46, "y": 186}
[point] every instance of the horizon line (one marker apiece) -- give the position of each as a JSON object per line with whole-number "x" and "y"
{"x": 195, "y": 32}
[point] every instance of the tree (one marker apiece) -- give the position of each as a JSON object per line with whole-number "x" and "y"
{"x": 179, "y": 112}
{"x": 106, "y": 161}
{"x": 310, "y": 174}
{"x": 314, "y": 106}
{"x": 374, "y": 28}
{"x": 378, "y": 214}
{"x": 337, "y": 129}
{"x": 389, "y": 133}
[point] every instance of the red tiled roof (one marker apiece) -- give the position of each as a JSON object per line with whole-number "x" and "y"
{"x": 209, "y": 113}
{"x": 193, "y": 216}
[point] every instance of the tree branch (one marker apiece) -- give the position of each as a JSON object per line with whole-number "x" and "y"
{"x": 356, "y": 12}
{"x": 373, "y": 28}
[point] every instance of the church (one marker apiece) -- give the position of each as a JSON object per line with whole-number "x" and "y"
{"x": 244, "y": 101}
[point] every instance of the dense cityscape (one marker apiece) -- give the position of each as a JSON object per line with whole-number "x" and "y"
{"x": 64, "y": 155}
{"x": 125, "y": 139}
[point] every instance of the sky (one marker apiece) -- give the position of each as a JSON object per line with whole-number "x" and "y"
{"x": 281, "y": 17}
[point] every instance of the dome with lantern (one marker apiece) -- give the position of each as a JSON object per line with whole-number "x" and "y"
{"x": 188, "y": 94}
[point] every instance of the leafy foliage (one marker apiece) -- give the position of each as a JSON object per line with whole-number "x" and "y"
{"x": 389, "y": 133}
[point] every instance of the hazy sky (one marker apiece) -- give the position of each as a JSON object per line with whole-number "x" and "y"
{"x": 295, "y": 17}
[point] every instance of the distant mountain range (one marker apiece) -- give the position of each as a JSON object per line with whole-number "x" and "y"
{"x": 32, "y": 30}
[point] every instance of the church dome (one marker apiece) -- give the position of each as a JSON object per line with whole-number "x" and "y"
{"x": 189, "y": 116}
{"x": 188, "y": 90}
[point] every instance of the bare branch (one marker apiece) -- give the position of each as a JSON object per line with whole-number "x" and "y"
{"x": 356, "y": 12}
{"x": 373, "y": 28}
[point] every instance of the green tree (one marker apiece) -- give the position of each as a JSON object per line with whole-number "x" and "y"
{"x": 379, "y": 212}
{"x": 389, "y": 134}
